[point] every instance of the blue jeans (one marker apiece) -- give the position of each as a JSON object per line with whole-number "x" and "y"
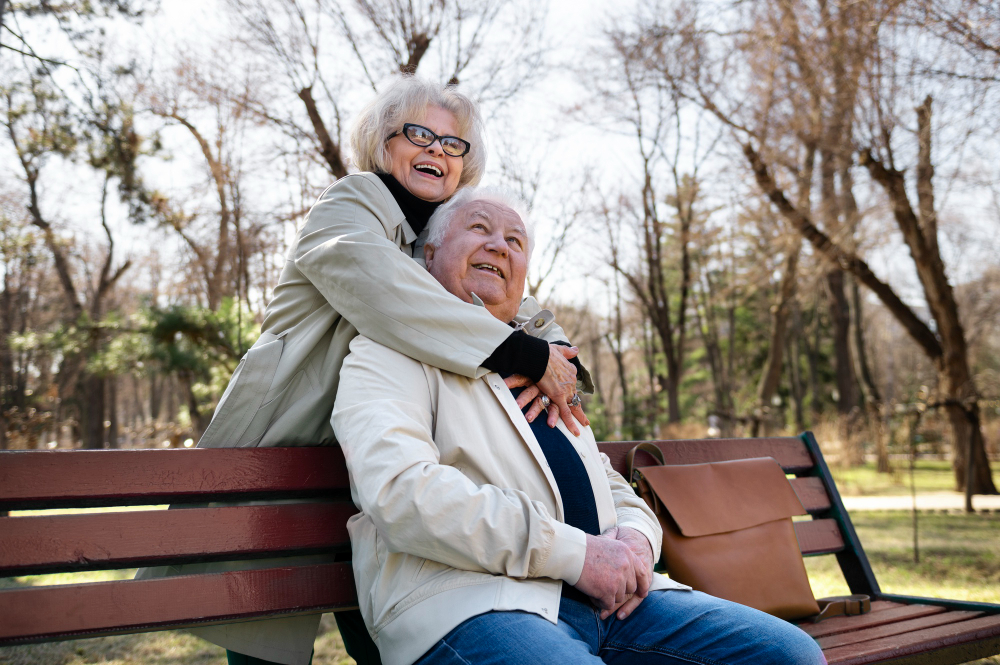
{"x": 668, "y": 627}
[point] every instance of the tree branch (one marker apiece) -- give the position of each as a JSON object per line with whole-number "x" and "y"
{"x": 917, "y": 329}
{"x": 329, "y": 149}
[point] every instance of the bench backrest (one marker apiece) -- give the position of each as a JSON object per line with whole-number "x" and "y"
{"x": 34, "y": 543}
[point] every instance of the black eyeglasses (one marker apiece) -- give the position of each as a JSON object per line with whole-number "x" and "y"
{"x": 423, "y": 137}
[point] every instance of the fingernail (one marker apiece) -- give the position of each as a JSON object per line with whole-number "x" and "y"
{"x": 621, "y": 616}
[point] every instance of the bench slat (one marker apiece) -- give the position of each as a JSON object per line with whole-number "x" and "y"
{"x": 882, "y": 613}
{"x": 897, "y": 646}
{"x": 51, "y": 479}
{"x": 811, "y": 493}
{"x": 790, "y": 452}
{"x": 48, "y": 543}
{"x": 819, "y": 537}
{"x": 88, "y": 610}
{"x": 897, "y": 628}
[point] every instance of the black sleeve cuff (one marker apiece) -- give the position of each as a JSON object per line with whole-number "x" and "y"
{"x": 520, "y": 353}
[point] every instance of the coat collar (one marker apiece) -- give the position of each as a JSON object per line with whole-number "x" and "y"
{"x": 405, "y": 234}
{"x": 509, "y": 405}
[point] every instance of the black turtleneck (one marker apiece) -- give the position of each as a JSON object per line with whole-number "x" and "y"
{"x": 415, "y": 209}
{"x": 520, "y": 353}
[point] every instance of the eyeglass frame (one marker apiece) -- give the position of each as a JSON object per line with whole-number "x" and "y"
{"x": 437, "y": 138}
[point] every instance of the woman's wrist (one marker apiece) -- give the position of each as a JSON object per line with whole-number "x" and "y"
{"x": 521, "y": 354}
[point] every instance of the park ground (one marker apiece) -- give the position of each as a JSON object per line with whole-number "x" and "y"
{"x": 959, "y": 559}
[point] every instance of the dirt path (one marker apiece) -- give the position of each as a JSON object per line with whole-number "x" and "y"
{"x": 929, "y": 501}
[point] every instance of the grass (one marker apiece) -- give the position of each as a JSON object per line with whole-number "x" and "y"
{"x": 959, "y": 557}
{"x": 929, "y": 475}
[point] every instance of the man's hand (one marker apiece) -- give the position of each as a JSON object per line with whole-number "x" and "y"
{"x": 608, "y": 572}
{"x": 643, "y": 553}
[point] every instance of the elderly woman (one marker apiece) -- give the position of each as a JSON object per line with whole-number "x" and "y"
{"x": 349, "y": 270}
{"x": 483, "y": 539}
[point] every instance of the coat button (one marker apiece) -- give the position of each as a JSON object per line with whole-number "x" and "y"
{"x": 539, "y": 323}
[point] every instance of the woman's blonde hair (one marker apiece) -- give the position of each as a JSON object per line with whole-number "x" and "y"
{"x": 407, "y": 100}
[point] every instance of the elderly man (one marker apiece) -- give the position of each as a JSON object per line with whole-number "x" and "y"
{"x": 483, "y": 538}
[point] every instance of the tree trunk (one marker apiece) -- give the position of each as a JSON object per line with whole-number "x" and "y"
{"x": 840, "y": 317}
{"x": 155, "y": 396}
{"x": 872, "y": 395}
{"x": 770, "y": 379}
{"x": 112, "y": 383}
{"x": 92, "y": 413}
{"x": 794, "y": 373}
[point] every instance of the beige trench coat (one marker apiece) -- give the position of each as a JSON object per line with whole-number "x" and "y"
{"x": 349, "y": 269}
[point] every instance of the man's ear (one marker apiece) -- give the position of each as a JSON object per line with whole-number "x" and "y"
{"x": 428, "y": 256}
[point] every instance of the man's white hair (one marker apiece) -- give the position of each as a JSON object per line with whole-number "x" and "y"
{"x": 407, "y": 99}
{"x": 441, "y": 220}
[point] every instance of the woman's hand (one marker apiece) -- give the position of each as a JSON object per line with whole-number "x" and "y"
{"x": 560, "y": 379}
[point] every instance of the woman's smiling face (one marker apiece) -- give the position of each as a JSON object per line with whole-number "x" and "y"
{"x": 428, "y": 173}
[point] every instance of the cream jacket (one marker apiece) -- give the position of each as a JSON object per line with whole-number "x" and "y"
{"x": 460, "y": 513}
{"x": 349, "y": 269}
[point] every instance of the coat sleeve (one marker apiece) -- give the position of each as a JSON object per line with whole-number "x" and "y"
{"x": 384, "y": 419}
{"x": 346, "y": 249}
{"x": 631, "y": 510}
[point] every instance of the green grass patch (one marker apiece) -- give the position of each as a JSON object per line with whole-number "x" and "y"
{"x": 959, "y": 556}
{"x": 929, "y": 476}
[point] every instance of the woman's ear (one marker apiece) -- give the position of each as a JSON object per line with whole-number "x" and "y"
{"x": 428, "y": 256}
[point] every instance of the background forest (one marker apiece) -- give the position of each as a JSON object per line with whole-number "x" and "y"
{"x": 754, "y": 217}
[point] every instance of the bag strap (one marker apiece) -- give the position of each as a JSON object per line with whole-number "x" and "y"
{"x": 836, "y": 606}
{"x": 646, "y": 447}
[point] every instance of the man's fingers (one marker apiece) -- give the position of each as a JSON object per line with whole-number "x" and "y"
{"x": 536, "y": 408}
{"x": 628, "y": 606}
{"x": 528, "y": 394}
{"x": 516, "y": 381}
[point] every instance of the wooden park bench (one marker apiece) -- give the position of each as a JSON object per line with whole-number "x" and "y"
{"x": 899, "y": 629}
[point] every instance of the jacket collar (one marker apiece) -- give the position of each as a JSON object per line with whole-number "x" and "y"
{"x": 404, "y": 232}
{"x": 509, "y": 405}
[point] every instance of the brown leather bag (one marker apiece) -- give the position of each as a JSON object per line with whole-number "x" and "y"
{"x": 727, "y": 531}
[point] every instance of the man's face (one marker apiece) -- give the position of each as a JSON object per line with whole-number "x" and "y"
{"x": 485, "y": 251}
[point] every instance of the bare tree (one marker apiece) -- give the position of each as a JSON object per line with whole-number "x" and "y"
{"x": 325, "y": 52}
{"x": 694, "y": 75}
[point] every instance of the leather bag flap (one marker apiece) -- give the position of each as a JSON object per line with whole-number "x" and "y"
{"x": 727, "y": 496}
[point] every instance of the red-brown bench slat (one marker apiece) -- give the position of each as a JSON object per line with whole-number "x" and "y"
{"x": 985, "y": 630}
{"x": 790, "y": 452}
{"x": 897, "y": 628}
{"x": 819, "y": 537}
{"x": 811, "y": 493}
{"x": 117, "y": 477}
{"x": 87, "y": 610}
{"x": 30, "y": 545}
{"x": 882, "y": 613}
